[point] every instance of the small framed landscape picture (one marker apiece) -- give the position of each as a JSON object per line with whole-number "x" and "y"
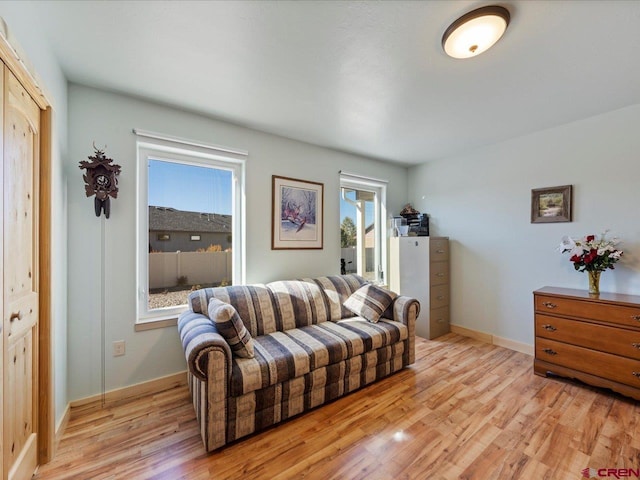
{"x": 550, "y": 205}
{"x": 296, "y": 218}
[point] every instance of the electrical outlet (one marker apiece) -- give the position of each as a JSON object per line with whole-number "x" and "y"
{"x": 118, "y": 348}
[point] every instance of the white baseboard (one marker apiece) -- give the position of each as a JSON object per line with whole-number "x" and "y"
{"x": 493, "y": 339}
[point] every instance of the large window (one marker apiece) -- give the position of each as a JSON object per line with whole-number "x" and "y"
{"x": 190, "y": 223}
{"x": 362, "y": 227}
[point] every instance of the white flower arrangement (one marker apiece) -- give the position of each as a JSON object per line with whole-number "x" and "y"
{"x": 590, "y": 253}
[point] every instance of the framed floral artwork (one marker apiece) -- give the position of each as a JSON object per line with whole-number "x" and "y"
{"x": 296, "y": 214}
{"x": 551, "y": 205}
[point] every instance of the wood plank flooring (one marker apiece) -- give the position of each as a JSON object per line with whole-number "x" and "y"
{"x": 464, "y": 410}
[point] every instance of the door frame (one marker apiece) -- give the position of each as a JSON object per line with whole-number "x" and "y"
{"x": 46, "y": 413}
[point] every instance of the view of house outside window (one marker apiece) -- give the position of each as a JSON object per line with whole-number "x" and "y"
{"x": 190, "y": 230}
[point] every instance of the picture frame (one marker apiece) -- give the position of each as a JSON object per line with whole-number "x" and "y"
{"x": 296, "y": 214}
{"x": 552, "y": 204}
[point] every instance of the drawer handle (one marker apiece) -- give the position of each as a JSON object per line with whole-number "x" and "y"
{"x": 549, "y": 305}
{"x": 440, "y": 274}
{"x": 439, "y": 251}
{"x": 637, "y": 345}
{"x": 551, "y": 328}
{"x": 15, "y": 316}
{"x": 636, "y": 374}
{"x": 441, "y": 320}
{"x": 636, "y": 317}
{"x": 440, "y": 297}
{"x": 550, "y": 351}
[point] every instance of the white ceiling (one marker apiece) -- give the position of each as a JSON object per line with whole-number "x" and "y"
{"x": 365, "y": 77}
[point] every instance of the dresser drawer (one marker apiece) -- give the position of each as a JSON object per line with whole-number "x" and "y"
{"x": 605, "y": 365}
{"x": 439, "y": 273}
{"x": 598, "y": 337}
{"x": 438, "y": 249}
{"x": 618, "y": 314}
{"x": 439, "y": 296}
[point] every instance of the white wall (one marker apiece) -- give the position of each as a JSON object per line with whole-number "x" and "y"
{"x": 34, "y": 49}
{"x": 481, "y": 200}
{"x": 108, "y": 119}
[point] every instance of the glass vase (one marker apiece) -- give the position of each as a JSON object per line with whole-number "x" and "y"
{"x": 594, "y": 282}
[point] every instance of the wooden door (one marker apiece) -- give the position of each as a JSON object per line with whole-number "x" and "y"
{"x": 2, "y": 473}
{"x": 21, "y": 125}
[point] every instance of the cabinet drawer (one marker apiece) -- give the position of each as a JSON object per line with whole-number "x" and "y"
{"x": 438, "y": 249}
{"x": 606, "y": 365}
{"x": 619, "y": 314}
{"x": 598, "y": 337}
{"x": 439, "y": 322}
{"x": 439, "y": 273}
{"x": 439, "y": 296}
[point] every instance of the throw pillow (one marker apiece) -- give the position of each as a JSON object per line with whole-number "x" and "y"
{"x": 230, "y": 326}
{"x": 370, "y": 302}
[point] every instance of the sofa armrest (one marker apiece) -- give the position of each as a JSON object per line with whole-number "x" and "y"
{"x": 406, "y": 310}
{"x": 199, "y": 337}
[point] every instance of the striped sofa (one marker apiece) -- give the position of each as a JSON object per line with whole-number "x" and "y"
{"x": 307, "y": 349}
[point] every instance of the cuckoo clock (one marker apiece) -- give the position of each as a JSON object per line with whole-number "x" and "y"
{"x": 101, "y": 180}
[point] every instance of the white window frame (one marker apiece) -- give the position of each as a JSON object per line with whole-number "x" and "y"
{"x": 173, "y": 149}
{"x": 379, "y": 188}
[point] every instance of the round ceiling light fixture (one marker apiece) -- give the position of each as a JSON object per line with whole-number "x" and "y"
{"x": 475, "y": 32}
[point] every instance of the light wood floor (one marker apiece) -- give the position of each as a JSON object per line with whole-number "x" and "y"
{"x": 465, "y": 410}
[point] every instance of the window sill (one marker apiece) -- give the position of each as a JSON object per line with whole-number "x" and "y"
{"x": 159, "y": 318}
{"x": 144, "y": 325}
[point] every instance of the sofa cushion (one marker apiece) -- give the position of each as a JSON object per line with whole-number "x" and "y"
{"x": 281, "y": 356}
{"x": 231, "y": 328}
{"x": 254, "y": 304}
{"x": 336, "y": 289}
{"x": 370, "y": 302}
{"x": 298, "y": 304}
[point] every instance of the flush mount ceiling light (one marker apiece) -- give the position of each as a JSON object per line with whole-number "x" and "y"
{"x": 475, "y": 32}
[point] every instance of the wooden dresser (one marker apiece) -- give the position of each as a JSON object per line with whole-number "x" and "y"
{"x": 419, "y": 268}
{"x": 595, "y": 339}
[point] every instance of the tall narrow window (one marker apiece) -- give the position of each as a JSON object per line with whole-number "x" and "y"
{"x": 190, "y": 226}
{"x": 362, "y": 227}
